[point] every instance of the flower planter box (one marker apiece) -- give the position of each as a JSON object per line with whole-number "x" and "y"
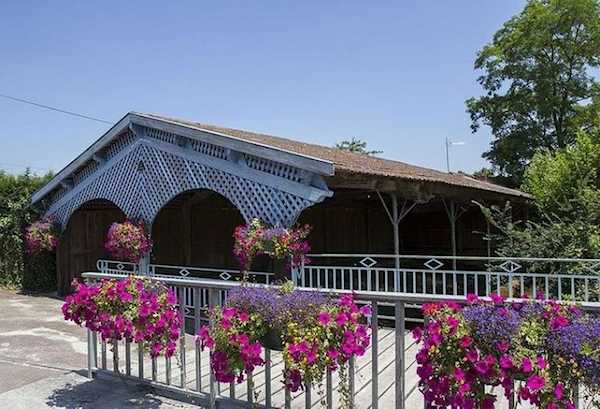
{"x": 272, "y": 340}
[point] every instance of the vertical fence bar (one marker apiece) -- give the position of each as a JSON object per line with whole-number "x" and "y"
{"x": 307, "y": 396}
{"x": 127, "y": 357}
{"x": 115, "y": 354}
{"x": 576, "y": 396}
{"x": 154, "y": 369}
{"x": 250, "y": 388}
{"x": 232, "y": 389}
{"x": 374, "y": 357}
{"x": 103, "y": 354}
{"x": 268, "y": 378}
{"x": 329, "y": 388}
{"x": 288, "y": 394}
{"x": 197, "y": 323}
{"x": 90, "y": 353}
{"x": 511, "y": 398}
{"x": 213, "y": 300}
{"x": 559, "y": 289}
{"x": 140, "y": 348}
{"x": 399, "y": 354}
{"x": 351, "y": 380}
{"x": 167, "y": 370}
{"x": 182, "y": 293}
{"x": 95, "y": 346}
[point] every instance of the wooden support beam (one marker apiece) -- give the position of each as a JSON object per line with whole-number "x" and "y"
{"x": 454, "y": 214}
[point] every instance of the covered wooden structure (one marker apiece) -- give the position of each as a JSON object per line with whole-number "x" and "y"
{"x": 193, "y": 183}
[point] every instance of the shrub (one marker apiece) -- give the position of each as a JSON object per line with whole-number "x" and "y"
{"x": 15, "y": 213}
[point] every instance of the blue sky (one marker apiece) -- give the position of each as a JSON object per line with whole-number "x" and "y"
{"x": 393, "y": 73}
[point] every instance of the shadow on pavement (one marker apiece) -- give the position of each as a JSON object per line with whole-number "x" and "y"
{"x": 99, "y": 394}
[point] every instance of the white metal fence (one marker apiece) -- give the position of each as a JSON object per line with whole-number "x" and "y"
{"x": 561, "y": 279}
{"x": 384, "y": 378}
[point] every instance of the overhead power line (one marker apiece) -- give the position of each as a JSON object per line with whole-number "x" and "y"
{"x": 25, "y": 101}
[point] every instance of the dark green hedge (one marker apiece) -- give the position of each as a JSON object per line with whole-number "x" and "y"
{"x": 17, "y": 270}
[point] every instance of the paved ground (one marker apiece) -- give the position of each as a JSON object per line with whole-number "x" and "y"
{"x": 42, "y": 361}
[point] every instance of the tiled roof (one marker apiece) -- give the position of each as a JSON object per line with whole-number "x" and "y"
{"x": 351, "y": 162}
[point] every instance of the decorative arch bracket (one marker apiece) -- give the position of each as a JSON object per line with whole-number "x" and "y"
{"x": 146, "y": 163}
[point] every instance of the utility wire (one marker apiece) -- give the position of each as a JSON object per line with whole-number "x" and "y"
{"x": 24, "y": 101}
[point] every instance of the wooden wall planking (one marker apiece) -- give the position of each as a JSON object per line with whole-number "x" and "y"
{"x": 196, "y": 229}
{"x": 82, "y": 242}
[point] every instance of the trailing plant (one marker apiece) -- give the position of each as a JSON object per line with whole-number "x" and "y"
{"x": 257, "y": 238}
{"x": 497, "y": 343}
{"x": 315, "y": 333}
{"x": 128, "y": 241}
{"x": 135, "y": 309}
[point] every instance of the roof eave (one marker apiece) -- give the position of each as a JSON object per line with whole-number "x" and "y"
{"x": 305, "y": 162}
{"x": 85, "y": 156}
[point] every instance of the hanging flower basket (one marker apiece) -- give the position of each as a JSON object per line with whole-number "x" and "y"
{"x": 128, "y": 241}
{"x": 314, "y": 332}
{"x": 41, "y": 236}
{"x": 134, "y": 309}
{"x": 286, "y": 247}
{"x": 548, "y": 347}
{"x": 272, "y": 340}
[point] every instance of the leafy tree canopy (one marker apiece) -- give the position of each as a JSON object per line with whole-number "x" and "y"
{"x": 356, "y": 146}
{"x": 565, "y": 185}
{"x": 539, "y": 90}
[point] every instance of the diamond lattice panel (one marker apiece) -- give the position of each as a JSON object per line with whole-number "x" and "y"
{"x": 146, "y": 178}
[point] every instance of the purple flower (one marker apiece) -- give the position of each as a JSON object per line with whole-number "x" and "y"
{"x": 277, "y": 308}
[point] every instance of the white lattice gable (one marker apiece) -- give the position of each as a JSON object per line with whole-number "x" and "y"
{"x": 143, "y": 168}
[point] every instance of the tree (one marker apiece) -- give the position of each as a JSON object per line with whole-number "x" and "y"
{"x": 565, "y": 185}
{"x": 538, "y": 87}
{"x": 356, "y": 146}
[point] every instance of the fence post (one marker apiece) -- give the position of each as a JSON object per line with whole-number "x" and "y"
{"x": 399, "y": 307}
{"x": 90, "y": 354}
{"x": 213, "y": 300}
{"x": 374, "y": 356}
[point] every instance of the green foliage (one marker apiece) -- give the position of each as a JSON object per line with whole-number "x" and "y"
{"x": 356, "y": 146}
{"x": 565, "y": 185}
{"x": 15, "y": 213}
{"x": 550, "y": 237}
{"x": 538, "y": 87}
{"x": 567, "y": 182}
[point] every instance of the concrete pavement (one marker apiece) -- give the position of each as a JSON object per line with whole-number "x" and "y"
{"x": 43, "y": 361}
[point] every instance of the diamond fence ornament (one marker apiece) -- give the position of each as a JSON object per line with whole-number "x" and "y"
{"x": 184, "y": 272}
{"x": 593, "y": 268}
{"x": 510, "y": 266}
{"x": 433, "y": 264}
{"x": 225, "y": 276}
{"x": 368, "y": 262}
